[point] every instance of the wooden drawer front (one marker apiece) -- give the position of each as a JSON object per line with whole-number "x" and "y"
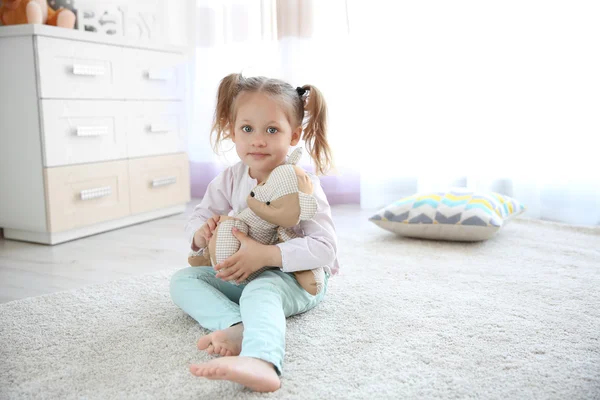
{"x": 155, "y": 128}
{"x": 157, "y": 182}
{"x": 81, "y": 131}
{"x": 86, "y": 194}
{"x": 70, "y": 69}
{"x": 153, "y": 75}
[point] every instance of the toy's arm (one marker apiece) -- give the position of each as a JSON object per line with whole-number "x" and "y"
{"x": 312, "y": 280}
{"x": 318, "y": 247}
{"x": 285, "y": 234}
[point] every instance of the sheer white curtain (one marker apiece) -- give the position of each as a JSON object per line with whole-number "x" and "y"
{"x": 499, "y": 96}
{"x": 489, "y": 95}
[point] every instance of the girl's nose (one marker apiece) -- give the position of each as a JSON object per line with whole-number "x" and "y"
{"x": 259, "y": 142}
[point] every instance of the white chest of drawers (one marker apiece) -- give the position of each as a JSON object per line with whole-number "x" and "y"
{"x": 92, "y": 133}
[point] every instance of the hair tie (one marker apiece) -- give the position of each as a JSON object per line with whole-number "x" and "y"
{"x": 301, "y": 91}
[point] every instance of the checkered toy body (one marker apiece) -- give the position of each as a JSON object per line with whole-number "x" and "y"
{"x": 274, "y": 207}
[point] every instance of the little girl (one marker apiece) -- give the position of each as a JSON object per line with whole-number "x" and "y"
{"x": 264, "y": 118}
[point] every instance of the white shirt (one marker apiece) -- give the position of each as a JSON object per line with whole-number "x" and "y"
{"x": 317, "y": 246}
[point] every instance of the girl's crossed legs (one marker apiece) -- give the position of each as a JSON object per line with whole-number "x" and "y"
{"x": 248, "y": 322}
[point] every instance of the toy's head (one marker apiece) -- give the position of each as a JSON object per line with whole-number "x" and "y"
{"x": 285, "y": 197}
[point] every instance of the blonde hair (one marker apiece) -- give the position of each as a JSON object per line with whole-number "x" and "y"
{"x": 308, "y": 111}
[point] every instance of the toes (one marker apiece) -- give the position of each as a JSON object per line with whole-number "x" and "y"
{"x": 217, "y": 350}
{"x": 206, "y": 370}
{"x": 228, "y": 353}
{"x": 195, "y": 370}
{"x": 204, "y": 342}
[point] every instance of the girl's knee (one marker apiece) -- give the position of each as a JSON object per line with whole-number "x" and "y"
{"x": 176, "y": 282}
{"x": 183, "y": 276}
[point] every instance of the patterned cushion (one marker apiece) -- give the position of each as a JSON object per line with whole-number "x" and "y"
{"x": 458, "y": 214}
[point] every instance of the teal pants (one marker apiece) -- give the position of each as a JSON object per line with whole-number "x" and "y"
{"x": 262, "y": 306}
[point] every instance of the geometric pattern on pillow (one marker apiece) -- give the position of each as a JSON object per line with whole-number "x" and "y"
{"x": 456, "y": 207}
{"x": 458, "y": 214}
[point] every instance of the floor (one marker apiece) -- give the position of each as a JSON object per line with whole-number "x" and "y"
{"x": 28, "y": 269}
{"x": 514, "y": 317}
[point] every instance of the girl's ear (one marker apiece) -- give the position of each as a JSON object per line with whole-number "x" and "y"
{"x": 296, "y": 134}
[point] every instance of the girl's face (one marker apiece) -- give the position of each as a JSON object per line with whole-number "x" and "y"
{"x": 262, "y": 133}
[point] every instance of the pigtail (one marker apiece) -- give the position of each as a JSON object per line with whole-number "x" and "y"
{"x": 221, "y": 128}
{"x": 315, "y": 131}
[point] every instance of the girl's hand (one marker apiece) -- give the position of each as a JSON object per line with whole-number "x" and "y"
{"x": 206, "y": 231}
{"x": 248, "y": 259}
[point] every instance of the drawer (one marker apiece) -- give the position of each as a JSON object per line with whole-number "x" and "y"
{"x": 82, "y": 70}
{"x": 86, "y": 194}
{"x": 83, "y": 131}
{"x": 156, "y": 127}
{"x": 157, "y": 182}
{"x": 153, "y": 75}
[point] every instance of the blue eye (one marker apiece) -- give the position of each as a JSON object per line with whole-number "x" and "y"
{"x": 272, "y": 130}
{"x": 247, "y": 128}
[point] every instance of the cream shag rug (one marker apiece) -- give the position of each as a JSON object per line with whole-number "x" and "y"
{"x": 517, "y": 316}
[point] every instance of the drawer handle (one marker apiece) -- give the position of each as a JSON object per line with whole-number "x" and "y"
{"x": 169, "y": 180}
{"x": 88, "y": 70}
{"x": 159, "y": 128}
{"x": 158, "y": 75}
{"x": 91, "y": 130}
{"x": 96, "y": 193}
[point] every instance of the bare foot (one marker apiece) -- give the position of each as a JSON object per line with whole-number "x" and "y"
{"x": 227, "y": 342}
{"x": 253, "y": 373}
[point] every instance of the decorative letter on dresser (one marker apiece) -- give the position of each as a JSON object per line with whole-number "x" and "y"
{"x": 92, "y": 133}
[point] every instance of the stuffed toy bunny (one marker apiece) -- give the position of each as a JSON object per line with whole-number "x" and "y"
{"x": 15, "y": 12}
{"x": 274, "y": 207}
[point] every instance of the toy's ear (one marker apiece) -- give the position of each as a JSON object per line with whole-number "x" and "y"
{"x": 305, "y": 185}
{"x": 308, "y": 206}
{"x": 295, "y": 156}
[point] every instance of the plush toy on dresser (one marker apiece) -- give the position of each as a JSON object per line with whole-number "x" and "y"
{"x": 15, "y": 12}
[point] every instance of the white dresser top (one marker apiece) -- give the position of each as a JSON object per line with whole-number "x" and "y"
{"x": 73, "y": 34}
